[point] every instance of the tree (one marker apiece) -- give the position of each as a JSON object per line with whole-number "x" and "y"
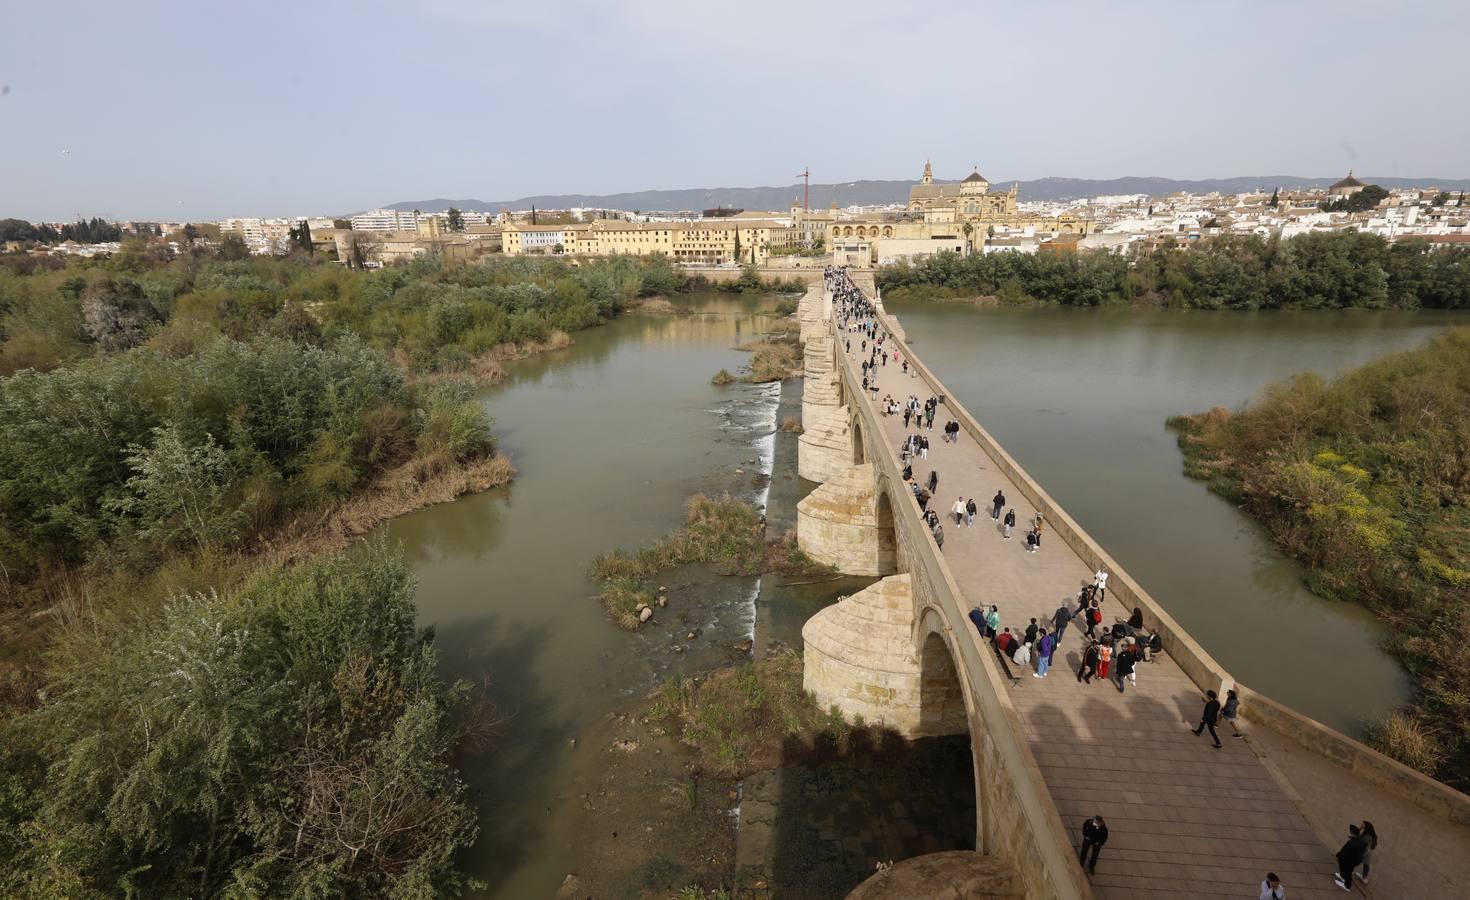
{"x": 362, "y": 249}
{"x": 232, "y": 247}
{"x": 1441, "y": 198}
{"x": 115, "y": 313}
{"x": 177, "y": 491}
{"x": 1361, "y": 201}
{"x": 301, "y": 236}
{"x": 456, "y": 220}
{"x": 1275, "y": 198}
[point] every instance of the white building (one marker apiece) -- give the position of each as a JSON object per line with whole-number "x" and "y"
{"x": 385, "y": 220}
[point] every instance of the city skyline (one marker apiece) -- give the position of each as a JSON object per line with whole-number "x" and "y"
{"x": 153, "y": 112}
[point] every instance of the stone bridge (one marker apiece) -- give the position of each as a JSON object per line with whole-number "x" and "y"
{"x": 1185, "y": 819}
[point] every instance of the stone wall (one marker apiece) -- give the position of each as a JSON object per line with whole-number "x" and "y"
{"x": 858, "y": 656}
{"x": 1363, "y": 761}
{"x": 847, "y": 525}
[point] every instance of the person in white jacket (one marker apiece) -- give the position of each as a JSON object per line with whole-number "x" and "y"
{"x": 1023, "y": 655}
{"x": 1272, "y": 888}
{"x": 1100, "y": 581}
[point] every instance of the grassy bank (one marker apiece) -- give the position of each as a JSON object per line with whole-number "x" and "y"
{"x": 726, "y": 534}
{"x": 1366, "y": 480}
{"x": 740, "y": 719}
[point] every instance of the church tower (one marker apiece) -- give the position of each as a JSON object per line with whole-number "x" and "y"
{"x": 928, "y": 174}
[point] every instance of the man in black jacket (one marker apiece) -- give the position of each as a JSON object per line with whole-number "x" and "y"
{"x": 1210, "y": 716}
{"x": 1094, "y": 835}
{"x": 1060, "y": 619}
{"x": 1350, "y": 857}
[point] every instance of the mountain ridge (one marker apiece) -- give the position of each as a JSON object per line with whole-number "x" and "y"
{"x": 873, "y": 192}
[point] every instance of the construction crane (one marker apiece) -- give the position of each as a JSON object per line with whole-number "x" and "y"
{"x": 806, "y": 192}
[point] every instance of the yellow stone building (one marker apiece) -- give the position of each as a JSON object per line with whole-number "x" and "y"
{"x": 943, "y": 217}
{"x": 747, "y": 242}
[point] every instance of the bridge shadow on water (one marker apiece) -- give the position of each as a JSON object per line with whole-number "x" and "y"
{"x": 878, "y": 797}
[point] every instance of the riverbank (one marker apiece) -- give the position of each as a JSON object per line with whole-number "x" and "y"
{"x": 29, "y": 618}
{"x": 1363, "y": 480}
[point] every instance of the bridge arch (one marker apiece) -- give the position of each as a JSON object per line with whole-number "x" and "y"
{"x": 859, "y": 452}
{"x": 945, "y": 703}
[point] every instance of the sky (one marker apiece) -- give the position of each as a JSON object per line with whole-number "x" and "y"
{"x": 168, "y": 111}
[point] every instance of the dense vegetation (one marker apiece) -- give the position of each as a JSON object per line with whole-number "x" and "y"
{"x": 429, "y": 317}
{"x": 1309, "y": 271}
{"x": 1366, "y": 480}
{"x": 288, "y": 739}
{"x": 121, "y": 458}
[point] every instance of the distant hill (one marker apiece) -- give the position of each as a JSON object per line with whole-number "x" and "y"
{"x": 867, "y": 193}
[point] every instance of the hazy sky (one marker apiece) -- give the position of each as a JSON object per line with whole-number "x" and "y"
{"x": 170, "y": 110}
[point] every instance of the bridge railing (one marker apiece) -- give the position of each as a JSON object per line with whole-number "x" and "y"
{"x": 1019, "y": 815}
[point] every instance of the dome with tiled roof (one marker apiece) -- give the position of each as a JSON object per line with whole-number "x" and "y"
{"x": 974, "y": 176}
{"x": 1348, "y": 182}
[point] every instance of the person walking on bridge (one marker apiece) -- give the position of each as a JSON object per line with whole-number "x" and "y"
{"x": 1209, "y": 717}
{"x": 996, "y": 504}
{"x": 1059, "y": 620}
{"x": 1094, "y": 835}
{"x": 1350, "y": 857}
{"x": 1089, "y": 663}
{"x": 1010, "y": 523}
{"x": 1100, "y": 583}
{"x": 970, "y": 510}
{"x": 959, "y": 511}
{"x": 933, "y": 481}
{"x": 1104, "y": 660}
{"x": 1127, "y": 667}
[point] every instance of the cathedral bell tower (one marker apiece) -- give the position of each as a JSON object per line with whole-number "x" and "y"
{"x": 928, "y": 174}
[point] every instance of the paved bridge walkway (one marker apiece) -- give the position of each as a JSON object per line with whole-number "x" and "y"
{"x": 1184, "y": 818}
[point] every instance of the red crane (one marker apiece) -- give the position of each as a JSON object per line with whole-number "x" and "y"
{"x": 806, "y": 192}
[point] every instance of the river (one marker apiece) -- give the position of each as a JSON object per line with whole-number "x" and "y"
{"x": 1080, "y": 396}
{"x": 609, "y": 438}
{"x": 612, "y": 434}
